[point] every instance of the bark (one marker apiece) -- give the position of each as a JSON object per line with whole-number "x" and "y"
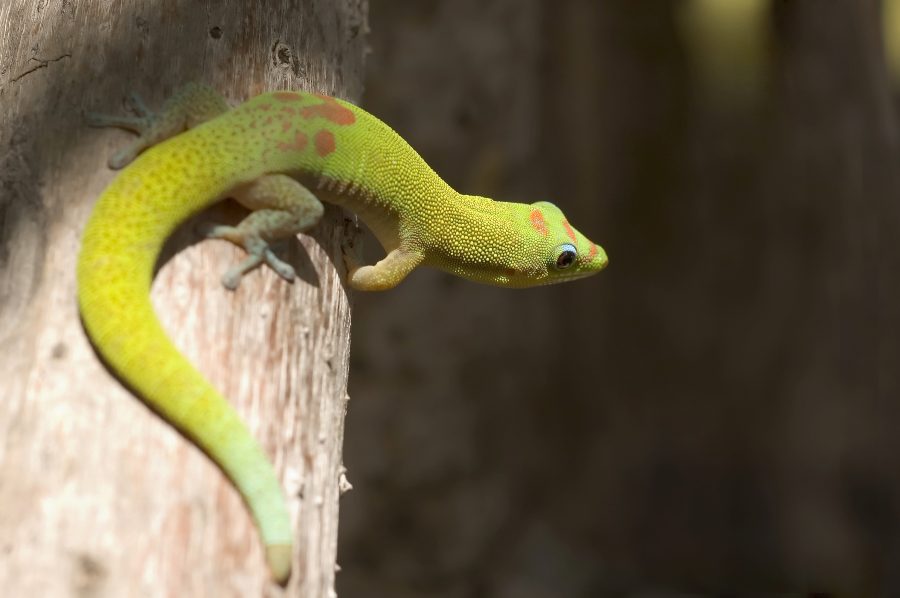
{"x": 98, "y": 496}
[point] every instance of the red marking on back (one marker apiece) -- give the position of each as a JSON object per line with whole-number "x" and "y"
{"x": 538, "y": 222}
{"x": 264, "y": 107}
{"x": 298, "y": 144}
{"x": 325, "y": 143}
{"x": 288, "y": 110}
{"x": 286, "y": 124}
{"x": 287, "y": 96}
{"x": 330, "y": 110}
{"x": 268, "y": 120}
{"x": 569, "y": 231}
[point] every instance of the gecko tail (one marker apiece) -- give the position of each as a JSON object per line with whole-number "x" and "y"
{"x": 115, "y": 269}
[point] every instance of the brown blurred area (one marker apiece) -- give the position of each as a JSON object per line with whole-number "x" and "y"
{"x": 717, "y": 413}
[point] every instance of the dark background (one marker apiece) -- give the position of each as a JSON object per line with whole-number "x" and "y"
{"x": 717, "y": 412}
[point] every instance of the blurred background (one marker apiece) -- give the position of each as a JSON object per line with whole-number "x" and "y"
{"x": 717, "y": 412}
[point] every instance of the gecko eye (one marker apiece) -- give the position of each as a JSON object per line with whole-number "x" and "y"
{"x": 566, "y": 254}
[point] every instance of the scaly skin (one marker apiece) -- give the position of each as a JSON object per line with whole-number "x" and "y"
{"x": 268, "y": 153}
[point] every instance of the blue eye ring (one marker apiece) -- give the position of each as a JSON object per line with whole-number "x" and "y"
{"x": 566, "y": 255}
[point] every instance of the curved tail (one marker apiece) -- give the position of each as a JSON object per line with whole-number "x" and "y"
{"x": 120, "y": 246}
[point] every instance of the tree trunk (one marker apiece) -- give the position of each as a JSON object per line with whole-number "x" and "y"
{"x": 98, "y": 496}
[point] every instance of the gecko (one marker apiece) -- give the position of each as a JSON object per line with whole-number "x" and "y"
{"x": 280, "y": 155}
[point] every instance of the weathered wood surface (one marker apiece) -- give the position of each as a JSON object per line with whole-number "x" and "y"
{"x": 98, "y": 496}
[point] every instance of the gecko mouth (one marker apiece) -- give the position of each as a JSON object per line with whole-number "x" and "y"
{"x": 550, "y": 280}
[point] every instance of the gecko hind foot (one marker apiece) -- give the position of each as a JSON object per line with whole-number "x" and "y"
{"x": 142, "y": 122}
{"x": 138, "y": 124}
{"x": 259, "y": 253}
{"x": 129, "y": 123}
{"x": 193, "y": 104}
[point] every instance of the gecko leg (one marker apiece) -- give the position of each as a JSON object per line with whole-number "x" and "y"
{"x": 282, "y": 207}
{"x": 191, "y": 105}
{"x": 386, "y": 274}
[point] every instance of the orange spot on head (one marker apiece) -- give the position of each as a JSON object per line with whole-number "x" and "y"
{"x": 287, "y": 96}
{"x": 592, "y": 253}
{"x": 538, "y": 222}
{"x": 298, "y": 144}
{"x": 570, "y": 231}
{"x": 325, "y": 143}
{"x": 330, "y": 110}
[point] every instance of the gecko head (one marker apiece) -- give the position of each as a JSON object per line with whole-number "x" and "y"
{"x": 516, "y": 245}
{"x": 552, "y": 250}
{"x": 564, "y": 254}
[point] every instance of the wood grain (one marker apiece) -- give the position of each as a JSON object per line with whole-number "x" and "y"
{"x": 98, "y": 496}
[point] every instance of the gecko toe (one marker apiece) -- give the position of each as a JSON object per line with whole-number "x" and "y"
{"x": 221, "y": 231}
{"x": 231, "y": 280}
{"x": 285, "y": 270}
{"x": 122, "y": 158}
{"x": 139, "y": 106}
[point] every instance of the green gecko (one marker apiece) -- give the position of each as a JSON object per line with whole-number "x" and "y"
{"x": 279, "y": 154}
